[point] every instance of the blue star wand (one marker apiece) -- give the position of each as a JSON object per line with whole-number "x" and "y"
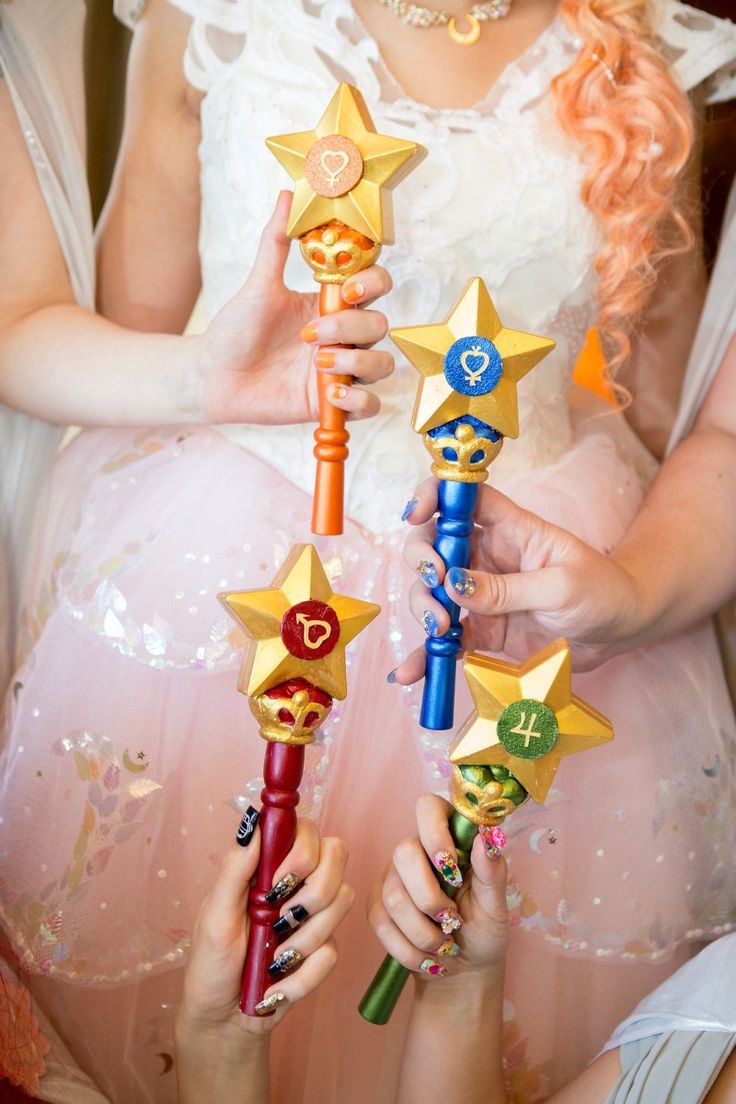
{"x": 466, "y": 406}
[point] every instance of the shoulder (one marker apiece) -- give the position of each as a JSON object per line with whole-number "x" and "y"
{"x": 227, "y": 15}
{"x": 701, "y": 47}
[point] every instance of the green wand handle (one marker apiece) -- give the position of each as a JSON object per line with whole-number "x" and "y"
{"x": 385, "y": 989}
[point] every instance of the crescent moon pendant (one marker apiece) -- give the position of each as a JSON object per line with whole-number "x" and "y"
{"x": 464, "y": 38}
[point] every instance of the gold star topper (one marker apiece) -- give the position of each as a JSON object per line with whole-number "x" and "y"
{"x": 527, "y": 718}
{"x": 298, "y": 628}
{"x": 470, "y": 364}
{"x": 344, "y": 169}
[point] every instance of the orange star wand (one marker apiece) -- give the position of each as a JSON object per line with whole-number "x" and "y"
{"x": 344, "y": 172}
{"x": 294, "y": 665}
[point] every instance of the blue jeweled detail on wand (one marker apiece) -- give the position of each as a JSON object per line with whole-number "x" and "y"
{"x": 473, "y": 366}
{"x": 448, "y": 429}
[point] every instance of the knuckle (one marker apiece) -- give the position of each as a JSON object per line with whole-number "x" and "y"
{"x": 496, "y": 592}
{"x": 337, "y": 848}
{"x": 405, "y": 850}
{"x": 346, "y": 896}
{"x": 393, "y": 899}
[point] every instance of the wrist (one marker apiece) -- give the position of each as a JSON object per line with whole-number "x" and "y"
{"x": 217, "y": 1060}
{"x": 639, "y": 607}
{"x": 190, "y": 394}
{"x": 465, "y": 993}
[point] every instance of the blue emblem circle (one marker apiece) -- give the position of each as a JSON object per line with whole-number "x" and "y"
{"x": 473, "y": 366}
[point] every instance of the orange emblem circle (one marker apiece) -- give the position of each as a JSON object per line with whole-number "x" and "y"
{"x": 333, "y": 166}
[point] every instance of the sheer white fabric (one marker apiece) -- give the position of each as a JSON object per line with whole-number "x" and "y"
{"x": 41, "y": 63}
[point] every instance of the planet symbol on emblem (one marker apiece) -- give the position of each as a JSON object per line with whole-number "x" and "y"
{"x": 310, "y": 630}
{"x": 473, "y": 366}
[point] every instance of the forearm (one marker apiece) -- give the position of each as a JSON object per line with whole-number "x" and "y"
{"x": 453, "y": 1046}
{"x": 681, "y": 548}
{"x": 66, "y": 365}
{"x": 223, "y": 1065}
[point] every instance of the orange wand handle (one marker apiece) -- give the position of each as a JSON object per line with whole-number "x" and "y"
{"x": 331, "y": 437}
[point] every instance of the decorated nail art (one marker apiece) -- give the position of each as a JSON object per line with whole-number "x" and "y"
{"x": 353, "y": 292}
{"x": 282, "y": 889}
{"x": 291, "y": 920}
{"x": 461, "y": 581}
{"x": 494, "y": 840}
{"x": 247, "y": 826}
{"x": 449, "y": 920}
{"x": 434, "y": 968}
{"x": 409, "y": 508}
{"x": 446, "y": 864}
{"x": 285, "y": 961}
{"x": 338, "y": 391}
{"x": 428, "y": 573}
{"x": 269, "y": 1005}
{"x": 430, "y": 623}
{"x": 449, "y": 949}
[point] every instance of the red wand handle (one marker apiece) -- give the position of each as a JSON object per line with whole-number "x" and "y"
{"x": 282, "y": 774}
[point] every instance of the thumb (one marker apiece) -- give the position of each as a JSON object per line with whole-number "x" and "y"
{"x": 229, "y": 894}
{"x": 273, "y": 248}
{"x": 490, "y": 875}
{"x": 543, "y": 590}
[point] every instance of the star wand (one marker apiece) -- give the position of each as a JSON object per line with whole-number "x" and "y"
{"x": 293, "y": 666}
{"x": 344, "y": 172}
{"x": 526, "y": 720}
{"x": 466, "y": 405}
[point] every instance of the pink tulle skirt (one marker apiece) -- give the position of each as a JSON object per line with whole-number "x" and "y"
{"x": 128, "y": 754}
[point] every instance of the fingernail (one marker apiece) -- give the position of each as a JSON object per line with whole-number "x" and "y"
{"x": 434, "y": 968}
{"x": 449, "y": 949}
{"x": 449, "y": 920}
{"x": 409, "y": 508}
{"x": 461, "y": 581}
{"x": 309, "y": 333}
{"x": 338, "y": 391}
{"x": 325, "y": 360}
{"x": 291, "y": 920}
{"x": 247, "y": 826}
{"x": 494, "y": 840}
{"x": 446, "y": 864}
{"x": 284, "y": 962}
{"x": 430, "y": 623}
{"x": 391, "y": 676}
{"x": 268, "y": 1005}
{"x": 283, "y": 888}
{"x": 428, "y": 573}
{"x": 353, "y": 292}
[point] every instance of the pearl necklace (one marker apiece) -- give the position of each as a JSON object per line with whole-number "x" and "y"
{"x": 416, "y": 16}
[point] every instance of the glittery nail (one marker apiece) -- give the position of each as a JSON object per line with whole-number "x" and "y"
{"x": 461, "y": 581}
{"x": 285, "y": 961}
{"x": 428, "y": 573}
{"x": 494, "y": 840}
{"x": 434, "y": 968}
{"x": 291, "y": 920}
{"x": 409, "y": 508}
{"x": 247, "y": 826}
{"x": 430, "y": 623}
{"x": 446, "y": 864}
{"x": 269, "y": 1005}
{"x": 282, "y": 888}
{"x": 449, "y": 949}
{"x": 449, "y": 920}
{"x": 391, "y": 676}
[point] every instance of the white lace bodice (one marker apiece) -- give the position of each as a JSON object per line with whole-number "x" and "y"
{"x": 497, "y": 196}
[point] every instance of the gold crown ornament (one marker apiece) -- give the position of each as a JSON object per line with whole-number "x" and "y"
{"x": 292, "y": 712}
{"x": 462, "y": 456}
{"x": 335, "y": 251}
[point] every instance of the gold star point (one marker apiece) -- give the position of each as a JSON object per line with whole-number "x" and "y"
{"x": 426, "y": 347}
{"x": 283, "y": 644}
{"x": 544, "y": 678}
{"x": 386, "y": 160}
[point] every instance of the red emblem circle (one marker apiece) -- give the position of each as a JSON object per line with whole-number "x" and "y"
{"x": 333, "y": 166}
{"x": 310, "y": 630}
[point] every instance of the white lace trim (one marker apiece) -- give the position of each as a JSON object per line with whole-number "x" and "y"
{"x": 700, "y": 47}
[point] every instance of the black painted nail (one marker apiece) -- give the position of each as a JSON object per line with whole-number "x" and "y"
{"x": 247, "y": 826}
{"x": 283, "y": 888}
{"x": 284, "y": 962}
{"x": 292, "y": 920}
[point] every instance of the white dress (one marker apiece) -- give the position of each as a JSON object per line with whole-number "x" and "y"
{"x": 127, "y": 736}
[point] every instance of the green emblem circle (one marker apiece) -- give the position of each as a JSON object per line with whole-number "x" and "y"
{"x": 527, "y": 729}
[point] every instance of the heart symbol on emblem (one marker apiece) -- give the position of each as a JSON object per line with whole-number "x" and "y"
{"x": 472, "y": 375}
{"x": 329, "y": 159}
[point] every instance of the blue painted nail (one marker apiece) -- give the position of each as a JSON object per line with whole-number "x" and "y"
{"x": 430, "y": 622}
{"x": 428, "y": 573}
{"x": 461, "y": 581}
{"x": 409, "y": 508}
{"x": 391, "y": 676}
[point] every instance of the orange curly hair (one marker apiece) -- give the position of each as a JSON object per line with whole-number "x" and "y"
{"x": 635, "y": 126}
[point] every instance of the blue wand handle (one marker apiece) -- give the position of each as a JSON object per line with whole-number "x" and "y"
{"x": 454, "y": 527}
